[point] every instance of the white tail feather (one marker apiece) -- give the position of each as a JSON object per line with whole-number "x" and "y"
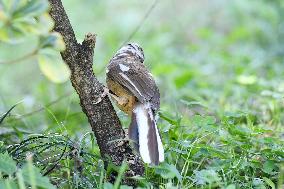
{"x": 160, "y": 146}
{"x": 142, "y": 113}
{"x": 142, "y": 122}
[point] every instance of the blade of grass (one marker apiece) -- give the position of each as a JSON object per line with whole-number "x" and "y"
{"x": 122, "y": 169}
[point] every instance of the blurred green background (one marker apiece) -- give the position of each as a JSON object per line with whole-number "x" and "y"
{"x": 211, "y": 58}
{"x": 225, "y": 55}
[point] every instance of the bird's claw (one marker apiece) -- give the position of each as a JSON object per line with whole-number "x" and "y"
{"x": 104, "y": 94}
{"x": 122, "y": 100}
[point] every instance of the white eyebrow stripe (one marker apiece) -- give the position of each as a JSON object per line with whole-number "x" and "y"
{"x": 125, "y": 77}
{"x": 123, "y": 67}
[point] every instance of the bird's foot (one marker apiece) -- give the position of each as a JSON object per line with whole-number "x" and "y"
{"x": 120, "y": 100}
{"x": 104, "y": 94}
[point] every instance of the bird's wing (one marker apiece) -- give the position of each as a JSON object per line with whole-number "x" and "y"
{"x": 137, "y": 79}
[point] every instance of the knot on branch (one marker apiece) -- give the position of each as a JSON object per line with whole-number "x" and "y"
{"x": 90, "y": 41}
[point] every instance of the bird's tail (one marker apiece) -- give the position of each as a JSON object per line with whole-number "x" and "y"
{"x": 144, "y": 132}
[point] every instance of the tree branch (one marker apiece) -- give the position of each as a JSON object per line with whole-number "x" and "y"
{"x": 101, "y": 116}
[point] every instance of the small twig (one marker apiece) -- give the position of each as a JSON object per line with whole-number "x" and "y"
{"x": 44, "y": 106}
{"x": 136, "y": 29}
{"x": 56, "y": 163}
{"x": 90, "y": 41}
{"x": 7, "y": 113}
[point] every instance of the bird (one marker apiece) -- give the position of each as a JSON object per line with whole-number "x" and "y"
{"x": 135, "y": 92}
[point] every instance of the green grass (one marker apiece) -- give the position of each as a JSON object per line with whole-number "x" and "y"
{"x": 219, "y": 67}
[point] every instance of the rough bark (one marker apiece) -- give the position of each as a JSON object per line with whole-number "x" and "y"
{"x": 101, "y": 116}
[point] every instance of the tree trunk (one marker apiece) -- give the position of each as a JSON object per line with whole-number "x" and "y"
{"x": 99, "y": 111}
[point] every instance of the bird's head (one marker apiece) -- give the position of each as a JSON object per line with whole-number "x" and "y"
{"x": 132, "y": 49}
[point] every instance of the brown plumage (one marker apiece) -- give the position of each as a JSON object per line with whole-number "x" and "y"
{"x": 137, "y": 94}
{"x": 145, "y": 89}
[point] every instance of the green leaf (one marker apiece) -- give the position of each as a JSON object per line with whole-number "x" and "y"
{"x": 7, "y": 164}
{"x": 31, "y": 172}
{"x": 269, "y": 182}
{"x": 168, "y": 171}
{"x": 169, "y": 120}
{"x": 279, "y": 153}
{"x": 32, "y": 8}
{"x": 268, "y": 166}
{"x": 206, "y": 176}
{"x": 108, "y": 185}
{"x": 121, "y": 171}
{"x": 44, "y": 23}
{"x": 53, "y": 40}
{"x": 52, "y": 66}
{"x": 8, "y": 184}
{"x": 2, "y": 147}
{"x": 3, "y": 34}
{"x": 231, "y": 186}
{"x": 239, "y": 130}
{"x": 125, "y": 187}
{"x": 192, "y": 103}
{"x": 2, "y": 184}
{"x": 20, "y": 179}
{"x": 9, "y": 5}
{"x": 183, "y": 79}
{"x": 203, "y": 121}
